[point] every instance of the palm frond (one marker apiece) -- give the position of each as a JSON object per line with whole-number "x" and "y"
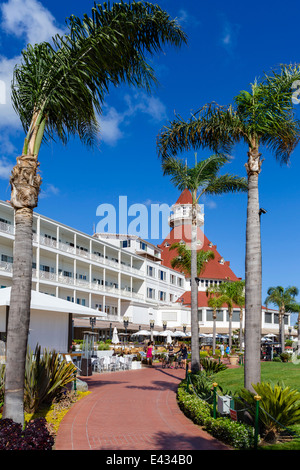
{"x": 67, "y": 80}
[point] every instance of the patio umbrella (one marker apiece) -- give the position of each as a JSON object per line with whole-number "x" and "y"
{"x": 167, "y": 333}
{"x": 115, "y": 338}
{"x": 142, "y": 333}
{"x": 179, "y": 333}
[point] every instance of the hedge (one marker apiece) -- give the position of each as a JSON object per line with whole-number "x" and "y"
{"x": 235, "y": 434}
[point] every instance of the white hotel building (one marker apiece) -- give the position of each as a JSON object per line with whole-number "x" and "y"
{"x": 121, "y": 275}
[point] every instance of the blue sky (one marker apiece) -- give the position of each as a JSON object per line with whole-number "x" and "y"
{"x": 229, "y": 45}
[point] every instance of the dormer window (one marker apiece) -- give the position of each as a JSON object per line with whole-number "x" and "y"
{"x": 222, "y": 261}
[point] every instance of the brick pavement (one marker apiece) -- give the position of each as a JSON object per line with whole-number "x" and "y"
{"x": 132, "y": 410}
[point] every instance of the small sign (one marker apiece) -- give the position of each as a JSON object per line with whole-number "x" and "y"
{"x": 233, "y": 414}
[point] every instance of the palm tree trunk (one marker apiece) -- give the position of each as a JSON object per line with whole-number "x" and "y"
{"x": 25, "y": 185}
{"x": 281, "y": 322}
{"x": 230, "y": 328}
{"x": 241, "y": 330}
{"x": 214, "y": 331}
{"x": 195, "y": 359}
{"x": 253, "y": 275}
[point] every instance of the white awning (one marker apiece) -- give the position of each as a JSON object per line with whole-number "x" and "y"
{"x": 50, "y": 303}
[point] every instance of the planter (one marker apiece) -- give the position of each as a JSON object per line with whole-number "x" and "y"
{"x": 136, "y": 365}
{"x": 234, "y": 360}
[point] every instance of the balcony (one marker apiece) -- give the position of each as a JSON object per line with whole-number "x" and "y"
{"x": 7, "y": 228}
{"x": 71, "y": 250}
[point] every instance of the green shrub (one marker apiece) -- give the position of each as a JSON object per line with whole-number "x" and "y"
{"x": 46, "y": 375}
{"x": 285, "y": 357}
{"x": 211, "y": 366}
{"x": 279, "y": 407}
{"x": 235, "y": 434}
{"x": 103, "y": 346}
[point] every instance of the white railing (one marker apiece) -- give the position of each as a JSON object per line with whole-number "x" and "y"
{"x": 64, "y": 247}
{"x": 7, "y": 228}
{"x": 5, "y": 266}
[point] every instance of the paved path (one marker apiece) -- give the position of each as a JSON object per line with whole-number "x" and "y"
{"x": 132, "y": 410}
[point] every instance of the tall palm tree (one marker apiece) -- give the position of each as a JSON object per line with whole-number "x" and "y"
{"x": 284, "y": 299}
{"x": 232, "y": 294}
{"x": 57, "y": 91}
{"x": 203, "y": 178}
{"x": 239, "y": 300}
{"x": 183, "y": 260}
{"x": 261, "y": 117}
{"x": 215, "y": 302}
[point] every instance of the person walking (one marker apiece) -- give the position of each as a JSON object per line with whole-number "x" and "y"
{"x": 222, "y": 350}
{"x": 184, "y": 354}
{"x": 171, "y": 354}
{"x": 149, "y": 355}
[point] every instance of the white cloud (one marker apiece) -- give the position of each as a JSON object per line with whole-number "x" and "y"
{"x": 229, "y": 34}
{"x": 112, "y": 120}
{"x": 32, "y": 22}
{"x": 48, "y": 190}
{"x": 5, "y": 168}
{"x": 28, "y": 19}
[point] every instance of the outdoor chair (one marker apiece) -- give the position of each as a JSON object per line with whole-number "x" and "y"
{"x": 114, "y": 363}
{"x": 128, "y": 362}
{"x": 68, "y": 358}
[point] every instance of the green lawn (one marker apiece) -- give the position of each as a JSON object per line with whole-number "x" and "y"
{"x": 232, "y": 380}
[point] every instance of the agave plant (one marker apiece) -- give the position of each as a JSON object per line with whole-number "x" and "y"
{"x": 211, "y": 366}
{"x": 279, "y": 407}
{"x": 46, "y": 374}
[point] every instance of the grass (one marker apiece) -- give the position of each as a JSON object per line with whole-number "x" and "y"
{"x": 272, "y": 372}
{"x": 287, "y": 373}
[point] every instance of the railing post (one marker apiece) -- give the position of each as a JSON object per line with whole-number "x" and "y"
{"x": 215, "y": 399}
{"x": 257, "y": 399}
{"x": 187, "y": 377}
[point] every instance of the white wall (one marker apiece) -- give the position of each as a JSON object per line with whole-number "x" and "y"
{"x": 49, "y": 330}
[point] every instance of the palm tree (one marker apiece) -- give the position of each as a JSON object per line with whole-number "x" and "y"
{"x": 215, "y": 302}
{"x": 239, "y": 300}
{"x": 57, "y": 91}
{"x": 201, "y": 179}
{"x": 262, "y": 117}
{"x": 232, "y": 294}
{"x": 284, "y": 299}
{"x": 183, "y": 260}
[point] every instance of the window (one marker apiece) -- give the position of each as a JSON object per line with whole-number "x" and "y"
{"x": 150, "y": 293}
{"x": 150, "y": 271}
{"x": 180, "y": 282}
{"x": 162, "y": 295}
{"x": 162, "y": 275}
{"x": 67, "y": 274}
{"x": 143, "y": 246}
{"x": 268, "y": 317}
{"x": 172, "y": 279}
{"x": 7, "y": 259}
{"x": 125, "y": 243}
{"x": 47, "y": 269}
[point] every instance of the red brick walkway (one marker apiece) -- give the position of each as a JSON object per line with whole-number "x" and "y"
{"x": 132, "y": 410}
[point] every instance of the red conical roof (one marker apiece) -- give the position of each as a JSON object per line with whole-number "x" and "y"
{"x": 185, "y": 197}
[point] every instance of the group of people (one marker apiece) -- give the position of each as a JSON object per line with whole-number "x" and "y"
{"x": 183, "y": 352}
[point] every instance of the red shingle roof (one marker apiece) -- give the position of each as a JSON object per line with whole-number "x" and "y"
{"x": 185, "y": 197}
{"x": 215, "y": 268}
{"x": 202, "y": 299}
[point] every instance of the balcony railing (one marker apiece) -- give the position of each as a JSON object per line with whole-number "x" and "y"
{"x": 66, "y": 248}
{"x": 7, "y": 228}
